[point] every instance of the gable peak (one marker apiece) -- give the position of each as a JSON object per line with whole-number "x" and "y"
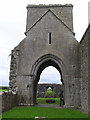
{"x": 49, "y": 10}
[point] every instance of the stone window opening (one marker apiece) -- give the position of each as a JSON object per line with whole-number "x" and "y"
{"x": 49, "y": 37}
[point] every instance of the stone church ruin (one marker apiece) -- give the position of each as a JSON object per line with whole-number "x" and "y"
{"x": 50, "y": 41}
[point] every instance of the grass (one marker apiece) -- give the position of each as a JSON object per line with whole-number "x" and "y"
{"x": 31, "y": 112}
{"x": 3, "y": 90}
{"x": 49, "y": 92}
{"x": 43, "y": 100}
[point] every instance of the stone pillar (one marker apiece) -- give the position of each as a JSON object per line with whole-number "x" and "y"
{"x": 31, "y": 89}
{"x": 69, "y": 99}
{"x": 53, "y": 92}
{"x": 72, "y": 91}
{"x": 45, "y": 92}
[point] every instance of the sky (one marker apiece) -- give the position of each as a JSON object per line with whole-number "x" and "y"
{"x": 50, "y": 77}
{"x": 13, "y": 15}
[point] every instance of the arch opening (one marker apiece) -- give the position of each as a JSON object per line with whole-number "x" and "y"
{"x": 49, "y": 91}
{"x": 41, "y": 67}
{"x": 50, "y": 75}
{"x": 50, "y": 83}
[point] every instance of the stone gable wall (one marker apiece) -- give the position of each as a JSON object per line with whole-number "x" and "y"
{"x": 64, "y": 12}
{"x": 73, "y": 57}
{"x": 35, "y": 53}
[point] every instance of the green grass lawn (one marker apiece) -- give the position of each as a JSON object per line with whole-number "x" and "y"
{"x": 49, "y": 92}
{"x": 43, "y": 100}
{"x": 3, "y": 90}
{"x": 31, "y": 112}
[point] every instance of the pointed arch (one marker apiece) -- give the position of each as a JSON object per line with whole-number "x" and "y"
{"x": 41, "y": 64}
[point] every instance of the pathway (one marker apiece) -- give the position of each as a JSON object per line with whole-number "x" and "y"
{"x": 54, "y": 106}
{"x": 48, "y": 105}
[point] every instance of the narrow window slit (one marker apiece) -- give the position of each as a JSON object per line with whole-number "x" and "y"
{"x": 49, "y": 37}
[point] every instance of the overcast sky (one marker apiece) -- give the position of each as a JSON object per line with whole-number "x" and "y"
{"x": 13, "y": 25}
{"x": 50, "y": 75}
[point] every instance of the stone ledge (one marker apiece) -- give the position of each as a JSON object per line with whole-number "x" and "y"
{"x": 50, "y": 5}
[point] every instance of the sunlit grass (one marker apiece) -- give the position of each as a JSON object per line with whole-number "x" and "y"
{"x": 3, "y": 90}
{"x": 43, "y": 100}
{"x": 49, "y": 92}
{"x": 31, "y": 112}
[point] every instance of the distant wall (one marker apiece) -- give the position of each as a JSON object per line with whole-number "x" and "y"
{"x": 9, "y": 100}
{"x": 1, "y": 87}
{"x": 42, "y": 90}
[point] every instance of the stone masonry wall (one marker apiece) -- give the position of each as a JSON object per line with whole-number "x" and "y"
{"x": 42, "y": 90}
{"x": 9, "y": 100}
{"x": 24, "y": 69}
{"x": 85, "y": 72}
{"x": 34, "y": 12}
{"x": 13, "y": 69}
{"x": 89, "y": 71}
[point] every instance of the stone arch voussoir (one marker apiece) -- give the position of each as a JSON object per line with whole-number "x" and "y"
{"x": 47, "y": 57}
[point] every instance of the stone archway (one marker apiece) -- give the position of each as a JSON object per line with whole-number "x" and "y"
{"x": 40, "y": 65}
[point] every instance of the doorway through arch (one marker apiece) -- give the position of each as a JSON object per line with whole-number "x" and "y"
{"x": 40, "y": 65}
{"x": 50, "y": 84}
